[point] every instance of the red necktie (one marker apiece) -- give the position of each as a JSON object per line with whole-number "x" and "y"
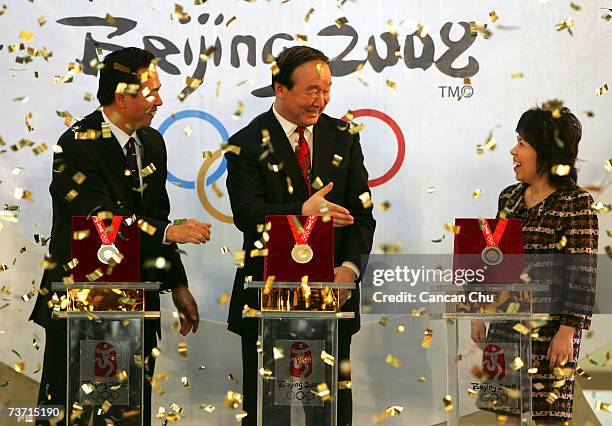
{"x": 303, "y": 158}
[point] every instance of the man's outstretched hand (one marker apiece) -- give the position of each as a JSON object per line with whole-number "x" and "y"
{"x": 312, "y": 207}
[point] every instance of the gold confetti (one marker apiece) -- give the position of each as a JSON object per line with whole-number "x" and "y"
{"x": 366, "y": 202}
{"x": 421, "y": 379}
{"x": 553, "y": 397}
{"x": 582, "y": 373}
{"x": 146, "y": 227}
{"x": 89, "y": 134}
{"x": 187, "y": 130}
{"x": 209, "y": 408}
{"x": 327, "y": 358}
{"x": 602, "y": 90}
{"x": 476, "y": 193}
{"x": 301, "y": 38}
{"x": 26, "y": 35}
{"x": 234, "y": 149}
{"x": 561, "y": 169}
{"x": 576, "y": 6}
{"x": 565, "y": 25}
{"x": 185, "y": 381}
{"x": 20, "y": 366}
{"x": 341, "y": 21}
{"x": 562, "y": 243}
{"x": 427, "y": 336}
{"x": 40, "y": 148}
{"x": 603, "y": 406}
{"x": 520, "y": 328}
{"x": 337, "y": 160}
{"x": 223, "y": 299}
{"x": 232, "y": 399}
{"x": 323, "y": 392}
{"x": 93, "y": 276}
{"x": 289, "y": 185}
{"x": 148, "y": 170}
{"x": 391, "y": 360}
{"x": 71, "y": 265}
{"x": 317, "y": 183}
{"x": 447, "y": 400}
{"x": 106, "y": 131}
{"x": 278, "y": 353}
{"x": 232, "y": 19}
{"x": 241, "y": 415}
{"x": 452, "y": 228}
{"x": 517, "y": 363}
{"x": 179, "y": 14}
{"x": 493, "y": 16}
{"x": 383, "y": 320}
{"x": 182, "y": 350}
{"x": 400, "y": 328}
{"x": 79, "y": 178}
{"x": 391, "y": 84}
{"x": 517, "y": 75}
{"x": 384, "y": 206}
{"x": 309, "y": 14}
{"x": 345, "y": 384}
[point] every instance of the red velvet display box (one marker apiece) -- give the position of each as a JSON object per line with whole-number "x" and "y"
{"x": 279, "y": 263}
{"x": 470, "y": 242}
{"x": 86, "y": 251}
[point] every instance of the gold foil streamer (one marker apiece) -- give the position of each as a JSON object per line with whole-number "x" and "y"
{"x": 182, "y": 350}
{"x": 146, "y": 227}
{"x": 148, "y": 170}
{"x": 391, "y": 360}
{"x": 447, "y": 400}
{"x": 517, "y": 363}
{"x": 341, "y": 21}
{"x": 561, "y": 169}
{"x": 427, "y": 336}
{"x": 602, "y": 90}
{"x": 323, "y": 392}
{"x": 232, "y": 399}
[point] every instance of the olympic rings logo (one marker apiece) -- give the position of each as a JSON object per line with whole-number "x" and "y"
{"x": 299, "y": 395}
{"x": 202, "y": 181}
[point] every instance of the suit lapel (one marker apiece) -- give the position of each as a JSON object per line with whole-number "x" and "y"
{"x": 283, "y": 153}
{"x": 147, "y": 159}
{"x": 323, "y": 150}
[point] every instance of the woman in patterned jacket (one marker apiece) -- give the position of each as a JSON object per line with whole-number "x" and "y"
{"x": 558, "y": 220}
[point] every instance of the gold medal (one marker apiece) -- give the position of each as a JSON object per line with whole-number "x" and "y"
{"x": 302, "y": 253}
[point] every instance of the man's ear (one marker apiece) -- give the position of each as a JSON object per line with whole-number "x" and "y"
{"x": 120, "y": 99}
{"x": 279, "y": 90}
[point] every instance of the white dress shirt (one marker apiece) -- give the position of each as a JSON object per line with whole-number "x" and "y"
{"x": 293, "y": 135}
{"x": 123, "y": 139}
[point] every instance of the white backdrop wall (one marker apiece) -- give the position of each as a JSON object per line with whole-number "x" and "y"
{"x": 440, "y": 132}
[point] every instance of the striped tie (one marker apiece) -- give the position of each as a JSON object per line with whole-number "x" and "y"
{"x": 303, "y": 158}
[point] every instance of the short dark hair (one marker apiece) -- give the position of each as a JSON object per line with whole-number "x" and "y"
{"x": 555, "y": 140}
{"x": 121, "y": 66}
{"x": 291, "y": 58}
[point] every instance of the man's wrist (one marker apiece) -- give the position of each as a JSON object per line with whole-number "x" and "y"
{"x": 566, "y": 329}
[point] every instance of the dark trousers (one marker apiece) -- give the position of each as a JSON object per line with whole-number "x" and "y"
{"x": 250, "y": 375}
{"x": 53, "y": 388}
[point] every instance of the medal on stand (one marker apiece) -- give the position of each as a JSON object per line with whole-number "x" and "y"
{"x": 107, "y": 251}
{"x": 302, "y": 252}
{"x": 491, "y": 254}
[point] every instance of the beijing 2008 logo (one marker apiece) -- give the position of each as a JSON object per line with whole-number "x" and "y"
{"x": 204, "y": 179}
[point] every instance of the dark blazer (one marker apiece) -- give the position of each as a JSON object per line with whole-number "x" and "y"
{"x": 257, "y": 191}
{"x": 108, "y": 189}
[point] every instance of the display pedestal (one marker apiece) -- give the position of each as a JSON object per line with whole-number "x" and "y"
{"x": 298, "y": 371}
{"x": 106, "y": 363}
{"x": 501, "y": 384}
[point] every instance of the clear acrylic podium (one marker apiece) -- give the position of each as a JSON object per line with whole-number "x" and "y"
{"x": 298, "y": 352}
{"x": 106, "y": 363}
{"x": 502, "y": 383}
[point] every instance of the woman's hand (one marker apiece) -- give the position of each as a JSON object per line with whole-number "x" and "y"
{"x": 479, "y": 331}
{"x": 561, "y": 348}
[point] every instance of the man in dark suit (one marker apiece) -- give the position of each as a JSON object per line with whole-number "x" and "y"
{"x": 306, "y": 142}
{"x": 112, "y": 163}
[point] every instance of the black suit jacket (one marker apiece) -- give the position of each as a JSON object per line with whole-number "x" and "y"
{"x": 106, "y": 188}
{"x": 257, "y": 191}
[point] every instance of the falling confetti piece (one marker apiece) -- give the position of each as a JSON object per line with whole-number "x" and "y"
{"x": 427, "y": 336}
{"x": 391, "y": 360}
{"x": 341, "y": 21}
{"x": 561, "y": 169}
{"x": 602, "y": 90}
{"x": 493, "y": 16}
